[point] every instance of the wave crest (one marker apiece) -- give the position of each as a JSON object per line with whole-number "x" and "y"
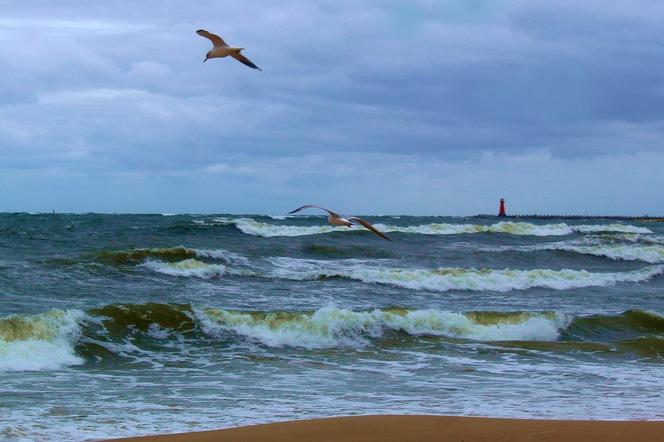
{"x": 653, "y": 254}
{"x": 39, "y": 342}
{"x": 186, "y": 268}
{"x": 445, "y": 279}
{"x": 155, "y": 332}
{"x": 170, "y": 254}
{"x": 331, "y": 326}
{"x": 258, "y": 228}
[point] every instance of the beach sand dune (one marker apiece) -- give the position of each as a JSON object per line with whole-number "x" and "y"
{"x": 428, "y": 428}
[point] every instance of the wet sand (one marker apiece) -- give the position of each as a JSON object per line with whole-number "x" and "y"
{"x": 428, "y": 428}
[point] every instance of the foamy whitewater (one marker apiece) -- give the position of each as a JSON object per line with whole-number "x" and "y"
{"x": 119, "y": 325}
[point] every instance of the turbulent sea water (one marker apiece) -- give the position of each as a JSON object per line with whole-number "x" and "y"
{"x": 117, "y": 325}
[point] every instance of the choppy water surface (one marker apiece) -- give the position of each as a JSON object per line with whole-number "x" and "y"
{"x": 115, "y": 325}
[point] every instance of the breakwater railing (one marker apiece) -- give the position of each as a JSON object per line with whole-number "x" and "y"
{"x": 644, "y": 218}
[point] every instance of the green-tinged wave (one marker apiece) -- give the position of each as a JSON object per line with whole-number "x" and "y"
{"x": 137, "y": 256}
{"x": 57, "y": 338}
{"x": 627, "y": 325}
{"x": 649, "y": 346}
{"x": 39, "y": 342}
{"x": 118, "y": 318}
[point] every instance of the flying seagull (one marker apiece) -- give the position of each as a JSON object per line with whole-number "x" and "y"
{"x": 334, "y": 219}
{"x": 220, "y": 49}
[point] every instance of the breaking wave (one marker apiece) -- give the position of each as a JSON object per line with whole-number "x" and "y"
{"x": 186, "y": 268}
{"x": 178, "y": 261}
{"x": 171, "y": 254}
{"x": 39, "y": 342}
{"x": 445, "y": 279}
{"x": 153, "y": 332}
{"x": 331, "y": 326}
{"x": 634, "y": 237}
{"x": 258, "y": 228}
{"x": 615, "y": 227}
{"x": 188, "y": 262}
{"x": 653, "y": 254}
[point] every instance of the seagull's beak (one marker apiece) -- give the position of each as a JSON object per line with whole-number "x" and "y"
{"x": 206, "y": 59}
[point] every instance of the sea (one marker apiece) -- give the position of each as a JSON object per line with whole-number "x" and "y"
{"x": 122, "y": 325}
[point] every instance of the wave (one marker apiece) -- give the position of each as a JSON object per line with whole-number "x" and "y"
{"x": 156, "y": 332}
{"x": 331, "y": 326}
{"x": 171, "y": 254}
{"x": 186, "y": 268}
{"x": 182, "y": 262}
{"x": 137, "y": 256}
{"x": 634, "y": 237}
{"x": 39, "y": 342}
{"x": 123, "y": 317}
{"x": 636, "y": 331}
{"x": 650, "y": 347}
{"x": 445, "y": 279}
{"x": 257, "y": 228}
{"x": 628, "y": 324}
{"x": 614, "y": 227}
{"x": 179, "y": 261}
{"x": 653, "y": 254}
{"x": 335, "y": 327}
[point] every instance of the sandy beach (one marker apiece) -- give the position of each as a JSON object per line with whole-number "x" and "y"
{"x": 428, "y": 428}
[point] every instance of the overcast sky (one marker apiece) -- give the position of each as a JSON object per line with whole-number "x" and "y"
{"x": 368, "y": 107}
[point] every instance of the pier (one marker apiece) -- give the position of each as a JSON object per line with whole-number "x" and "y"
{"x": 644, "y": 218}
{"x": 502, "y": 213}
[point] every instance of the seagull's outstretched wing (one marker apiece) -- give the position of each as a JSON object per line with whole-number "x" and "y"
{"x": 309, "y": 206}
{"x": 368, "y": 226}
{"x": 214, "y": 38}
{"x": 244, "y": 60}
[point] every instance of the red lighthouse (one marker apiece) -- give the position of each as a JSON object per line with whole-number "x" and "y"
{"x": 501, "y": 212}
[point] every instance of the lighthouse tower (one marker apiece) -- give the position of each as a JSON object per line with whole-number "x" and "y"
{"x": 501, "y": 212}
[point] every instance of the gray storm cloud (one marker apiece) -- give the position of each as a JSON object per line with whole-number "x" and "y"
{"x": 116, "y": 93}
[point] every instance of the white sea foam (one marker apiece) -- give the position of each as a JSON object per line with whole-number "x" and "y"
{"x": 614, "y": 227}
{"x": 331, "y": 326}
{"x": 39, "y": 342}
{"x": 216, "y": 221}
{"x": 186, "y": 268}
{"x": 198, "y": 269}
{"x": 222, "y": 220}
{"x": 653, "y": 254}
{"x": 258, "y": 228}
{"x": 513, "y": 228}
{"x": 636, "y": 237}
{"x": 224, "y": 255}
{"x": 445, "y": 279}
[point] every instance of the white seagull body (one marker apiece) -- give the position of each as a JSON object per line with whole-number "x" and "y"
{"x": 220, "y": 49}
{"x": 334, "y": 219}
